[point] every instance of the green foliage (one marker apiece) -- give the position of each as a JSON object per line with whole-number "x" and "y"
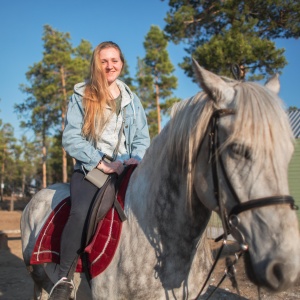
{"x": 260, "y": 57}
{"x": 78, "y": 70}
{"x": 54, "y": 161}
{"x": 39, "y": 111}
{"x": 199, "y": 20}
{"x": 7, "y": 146}
{"x": 7, "y": 140}
{"x": 31, "y": 156}
{"x": 152, "y": 122}
{"x": 26, "y": 160}
{"x": 294, "y": 174}
{"x": 15, "y": 164}
{"x": 293, "y": 108}
{"x": 155, "y": 80}
{"x": 222, "y": 33}
{"x": 144, "y": 79}
{"x": 125, "y": 77}
{"x": 51, "y": 81}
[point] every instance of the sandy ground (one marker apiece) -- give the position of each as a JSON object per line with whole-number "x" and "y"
{"x": 16, "y": 284}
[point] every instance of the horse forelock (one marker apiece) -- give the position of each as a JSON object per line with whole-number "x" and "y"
{"x": 261, "y": 123}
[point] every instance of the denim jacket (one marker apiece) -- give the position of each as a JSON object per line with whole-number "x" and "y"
{"x": 86, "y": 154}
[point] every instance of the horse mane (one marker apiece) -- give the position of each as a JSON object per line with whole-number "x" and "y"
{"x": 260, "y": 123}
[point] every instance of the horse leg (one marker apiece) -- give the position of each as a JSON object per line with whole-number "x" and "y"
{"x": 42, "y": 283}
{"x": 39, "y": 293}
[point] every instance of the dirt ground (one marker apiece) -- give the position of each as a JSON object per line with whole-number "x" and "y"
{"x": 16, "y": 284}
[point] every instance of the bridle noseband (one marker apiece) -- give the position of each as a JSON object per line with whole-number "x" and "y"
{"x": 230, "y": 221}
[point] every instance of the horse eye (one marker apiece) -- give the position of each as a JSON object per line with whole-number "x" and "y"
{"x": 241, "y": 150}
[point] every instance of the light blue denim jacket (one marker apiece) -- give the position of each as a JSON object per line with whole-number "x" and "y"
{"x": 86, "y": 154}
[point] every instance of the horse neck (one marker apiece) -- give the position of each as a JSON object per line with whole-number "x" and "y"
{"x": 157, "y": 213}
{"x": 161, "y": 189}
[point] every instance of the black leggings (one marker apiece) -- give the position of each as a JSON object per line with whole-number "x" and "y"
{"x": 74, "y": 234}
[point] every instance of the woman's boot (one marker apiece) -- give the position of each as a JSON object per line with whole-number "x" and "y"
{"x": 61, "y": 290}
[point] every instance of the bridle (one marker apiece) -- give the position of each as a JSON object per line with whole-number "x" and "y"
{"x": 217, "y": 165}
{"x": 231, "y": 220}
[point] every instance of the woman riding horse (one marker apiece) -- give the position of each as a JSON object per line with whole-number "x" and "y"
{"x": 94, "y": 119}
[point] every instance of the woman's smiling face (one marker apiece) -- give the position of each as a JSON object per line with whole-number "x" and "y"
{"x": 111, "y": 63}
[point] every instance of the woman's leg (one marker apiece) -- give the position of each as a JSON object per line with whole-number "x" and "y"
{"x": 74, "y": 233}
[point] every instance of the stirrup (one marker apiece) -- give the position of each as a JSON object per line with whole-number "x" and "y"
{"x": 64, "y": 280}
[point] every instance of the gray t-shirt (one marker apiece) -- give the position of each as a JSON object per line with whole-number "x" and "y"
{"x": 109, "y": 137}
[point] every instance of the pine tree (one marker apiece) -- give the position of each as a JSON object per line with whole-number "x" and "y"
{"x": 125, "y": 77}
{"x": 51, "y": 84}
{"x": 28, "y": 162}
{"x": 155, "y": 78}
{"x": 7, "y": 145}
{"x": 222, "y": 33}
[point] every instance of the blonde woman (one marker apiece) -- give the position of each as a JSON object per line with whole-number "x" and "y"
{"x": 93, "y": 121}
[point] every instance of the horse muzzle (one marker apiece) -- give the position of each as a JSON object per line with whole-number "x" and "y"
{"x": 273, "y": 274}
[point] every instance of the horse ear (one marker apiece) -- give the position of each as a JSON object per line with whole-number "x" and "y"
{"x": 213, "y": 85}
{"x": 273, "y": 84}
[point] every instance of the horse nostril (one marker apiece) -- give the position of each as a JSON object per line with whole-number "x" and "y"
{"x": 277, "y": 275}
{"x": 278, "y": 271}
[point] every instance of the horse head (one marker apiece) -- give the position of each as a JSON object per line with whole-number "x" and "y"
{"x": 243, "y": 161}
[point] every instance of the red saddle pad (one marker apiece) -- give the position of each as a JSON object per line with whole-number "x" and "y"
{"x": 103, "y": 246}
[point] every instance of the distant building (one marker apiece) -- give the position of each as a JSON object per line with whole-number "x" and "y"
{"x": 294, "y": 117}
{"x": 294, "y": 167}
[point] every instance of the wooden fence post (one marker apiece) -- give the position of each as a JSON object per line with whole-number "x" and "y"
{"x": 12, "y": 203}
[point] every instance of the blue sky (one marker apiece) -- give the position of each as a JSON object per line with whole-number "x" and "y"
{"x": 124, "y": 21}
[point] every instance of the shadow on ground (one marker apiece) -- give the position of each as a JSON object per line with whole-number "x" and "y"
{"x": 13, "y": 277}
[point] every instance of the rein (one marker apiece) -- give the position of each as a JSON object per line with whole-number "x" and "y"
{"x": 230, "y": 221}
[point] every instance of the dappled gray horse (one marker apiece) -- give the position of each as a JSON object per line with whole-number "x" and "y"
{"x": 226, "y": 149}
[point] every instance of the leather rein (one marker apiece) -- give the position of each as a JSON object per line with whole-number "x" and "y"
{"x": 230, "y": 221}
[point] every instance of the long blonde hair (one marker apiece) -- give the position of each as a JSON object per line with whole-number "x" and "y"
{"x": 96, "y": 94}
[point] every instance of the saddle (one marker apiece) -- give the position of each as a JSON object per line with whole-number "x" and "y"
{"x": 103, "y": 233}
{"x": 105, "y": 199}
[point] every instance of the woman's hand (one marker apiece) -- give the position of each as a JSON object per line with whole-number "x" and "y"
{"x": 131, "y": 161}
{"x": 113, "y": 167}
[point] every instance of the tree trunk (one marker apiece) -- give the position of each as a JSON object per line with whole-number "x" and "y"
{"x": 12, "y": 202}
{"x": 64, "y": 166}
{"x": 2, "y": 173}
{"x": 63, "y": 113}
{"x": 44, "y": 167}
{"x": 2, "y": 181}
{"x": 158, "y": 108}
{"x": 23, "y": 183}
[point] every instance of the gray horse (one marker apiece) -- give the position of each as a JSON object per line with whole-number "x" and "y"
{"x": 226, "y": 149}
